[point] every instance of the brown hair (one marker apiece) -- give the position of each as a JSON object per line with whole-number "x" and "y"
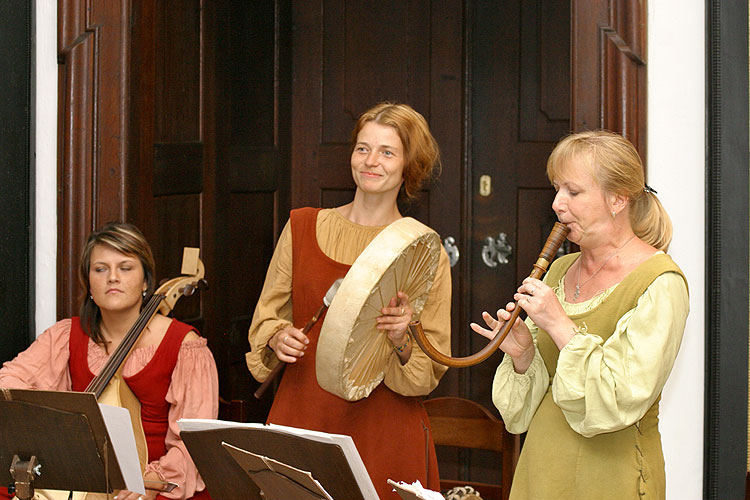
{"x": 421, "y": 152}
{"x": 126, "y": 239}
{"x": 617, "y": 168}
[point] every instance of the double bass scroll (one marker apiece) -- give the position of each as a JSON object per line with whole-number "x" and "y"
{"x": 554, "y": 240}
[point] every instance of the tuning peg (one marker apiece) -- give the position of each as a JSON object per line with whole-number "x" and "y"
{"x": 188, "y": 290}
{"x": 202, "y": 284}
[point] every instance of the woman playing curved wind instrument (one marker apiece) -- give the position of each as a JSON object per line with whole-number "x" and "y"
{"x": 584, "y": 373}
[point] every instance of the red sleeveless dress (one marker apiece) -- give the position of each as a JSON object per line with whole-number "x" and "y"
{"x": 391, "y": 431}
{"x": 150, "y": 385}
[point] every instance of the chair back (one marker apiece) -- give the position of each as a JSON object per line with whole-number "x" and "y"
{"x": 462, "y": 423}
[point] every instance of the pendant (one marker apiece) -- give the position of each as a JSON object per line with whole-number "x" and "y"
{"x": 577, "y": 293}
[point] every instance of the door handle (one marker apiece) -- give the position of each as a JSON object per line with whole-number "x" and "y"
{"x": 496, "y": 250}
{"x": 451, "y": 249}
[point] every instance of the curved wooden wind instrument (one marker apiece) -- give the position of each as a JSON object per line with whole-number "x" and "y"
{"x": 556, "y": 237}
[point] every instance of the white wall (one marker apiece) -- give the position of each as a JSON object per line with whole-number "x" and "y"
{"x": 45, "y": 155}
{"x": 676, "y": 146}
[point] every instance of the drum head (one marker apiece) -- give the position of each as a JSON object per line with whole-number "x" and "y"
{"x": 352, "y": 353}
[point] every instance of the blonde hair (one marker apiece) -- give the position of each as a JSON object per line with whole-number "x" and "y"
{"x": 617, "y": 168}
{"x": 421, "y": 152}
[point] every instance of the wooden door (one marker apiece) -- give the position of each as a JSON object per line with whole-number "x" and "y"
{"x": 209, "y": 158}
{"x": 253, "y": 106}
{"x": 493, "y": 82}
{"x": 519, "y": 96}
{"x": 93, "y": 77}
{"x": 608, "y": 61}
{"x": 520, "y": 92}
{"x": 169, "y": 185}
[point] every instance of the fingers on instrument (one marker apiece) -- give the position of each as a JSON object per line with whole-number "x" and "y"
{"x": 352, "y": 353}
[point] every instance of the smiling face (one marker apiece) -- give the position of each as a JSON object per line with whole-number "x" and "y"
{"x": 116, "y": 280}
{"x": 582, "y": 205}
{"x": 378, "y": 160}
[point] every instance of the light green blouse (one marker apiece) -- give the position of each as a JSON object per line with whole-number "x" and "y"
{"x": 601, "y": 386}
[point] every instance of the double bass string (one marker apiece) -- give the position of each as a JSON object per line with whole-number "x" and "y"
{"x": 100, "y": 382}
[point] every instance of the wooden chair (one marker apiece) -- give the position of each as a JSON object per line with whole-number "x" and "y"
{"x": 235, "y": 410}
{"x": 462, "y": 423}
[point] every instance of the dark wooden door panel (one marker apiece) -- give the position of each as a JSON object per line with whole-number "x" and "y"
{"x": 519, "y": 107}
{"x": 92, "y": 131}
{"x": 608, "y": 60}
{"x": 253, "y": 106}
{"x": 518, "y": 96}
{"x": 169, "y": 193}
{"x": 372, "y": 52}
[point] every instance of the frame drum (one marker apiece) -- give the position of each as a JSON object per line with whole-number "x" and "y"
{"x": 352, "y": 353}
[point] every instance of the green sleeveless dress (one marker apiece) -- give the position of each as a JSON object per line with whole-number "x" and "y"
{"x": 558, "y": 463}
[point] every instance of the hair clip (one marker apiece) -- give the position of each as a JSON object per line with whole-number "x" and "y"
{"x": 649, "y": 189}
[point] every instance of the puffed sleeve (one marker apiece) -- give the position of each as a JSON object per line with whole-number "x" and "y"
{"x": 193, "y": 393}
{"x": 274, "y": 309}
{"x": 518, "y": 395}
{"x": 420, "y": 375}
{"x": 44, "y": 365}
{"x": 607, "y": 386}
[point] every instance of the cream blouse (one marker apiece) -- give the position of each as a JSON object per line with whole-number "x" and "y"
{"x": 193, "y": 392}
{"x": 601, "y": 386}
{"x": 343, "y": 241}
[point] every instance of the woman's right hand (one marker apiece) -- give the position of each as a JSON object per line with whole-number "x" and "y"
{"x": 289, "y": 344}
{"x": 519, "y": 344}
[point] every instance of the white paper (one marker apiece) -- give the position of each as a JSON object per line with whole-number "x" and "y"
{"x": 345, "y": 442}
{"x": 417, "y": 489}
{"x": 120, "y": 430}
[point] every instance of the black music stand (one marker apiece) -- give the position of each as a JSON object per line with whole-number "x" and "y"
{"x": 227, "y": 478}
{"x": 277, "y": 480}
{"x": 39, "y": 433}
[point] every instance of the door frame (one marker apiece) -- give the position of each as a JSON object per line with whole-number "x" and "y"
{"x": 725, "y": 462}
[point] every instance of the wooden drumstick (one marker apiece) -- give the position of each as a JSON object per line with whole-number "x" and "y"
{"x": 327, "y": 299}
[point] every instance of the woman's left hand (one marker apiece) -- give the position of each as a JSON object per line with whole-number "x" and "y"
{"x": 541, "y": 304}
{"x": 395, "y": 320}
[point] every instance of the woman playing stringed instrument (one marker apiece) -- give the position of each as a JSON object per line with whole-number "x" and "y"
{"x": 170, "y": 369}
{"x": 392, "y": 152}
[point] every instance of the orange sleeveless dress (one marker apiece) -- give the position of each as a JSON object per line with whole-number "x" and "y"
{"x": 391, "y": 431}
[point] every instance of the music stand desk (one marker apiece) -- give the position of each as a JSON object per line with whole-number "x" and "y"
{"x": 335, "y": 467}
{"x": 67, "y": 435}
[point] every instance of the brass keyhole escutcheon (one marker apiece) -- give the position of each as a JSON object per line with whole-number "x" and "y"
{"x": 485, "y": 185}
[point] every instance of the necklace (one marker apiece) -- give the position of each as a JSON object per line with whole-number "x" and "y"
{"x": 578, "y": 279}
